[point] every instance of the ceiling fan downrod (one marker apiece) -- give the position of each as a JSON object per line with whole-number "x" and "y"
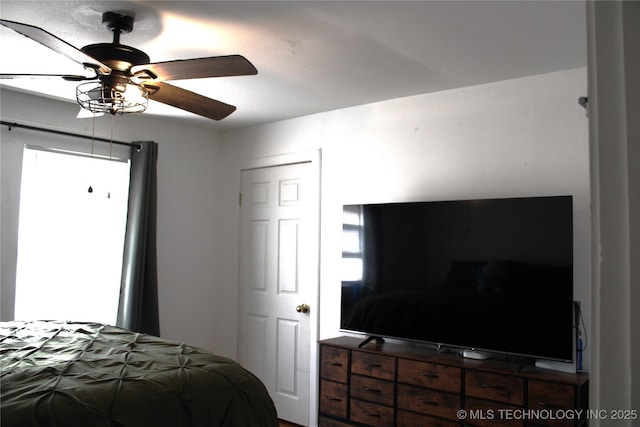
{"x": 117, "y": 23}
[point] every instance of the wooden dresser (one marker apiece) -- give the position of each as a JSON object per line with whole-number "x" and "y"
{"x": 402, "y": 385}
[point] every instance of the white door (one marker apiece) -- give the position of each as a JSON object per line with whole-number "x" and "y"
{"x": 278, "y": 282}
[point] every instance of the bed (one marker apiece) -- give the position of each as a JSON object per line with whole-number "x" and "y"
{"x": 88, "y": 374}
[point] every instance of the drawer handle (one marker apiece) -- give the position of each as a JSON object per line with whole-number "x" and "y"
{"x": 370, "y": 414}
{"x": 372, "y": 390}
{"x": 336, "y": 364}
{"x": 372, "y": 365}
{"x": 428, "y": 402}
{"x": 428, "y": 375}
{"x": 334, "y": 399}
{"x": 497, "y": 387}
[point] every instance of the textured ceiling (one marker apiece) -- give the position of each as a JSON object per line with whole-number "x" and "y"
{"x": 312, "y": 56}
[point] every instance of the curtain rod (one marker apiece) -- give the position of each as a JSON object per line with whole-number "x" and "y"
{"x": 60, "y": 132}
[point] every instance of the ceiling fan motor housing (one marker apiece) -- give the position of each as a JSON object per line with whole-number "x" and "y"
{"x": 116, "y": 56}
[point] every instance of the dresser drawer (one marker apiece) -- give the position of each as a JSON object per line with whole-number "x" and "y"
{"x": 329, "y": 422}
{"x": 333, "y": 398}
{"x": 372, "y": 389}
{"x": 373, "y": 365}
{"x": 427, "y": 401}
{"x": 544, "y": 395}
{"x": 501, "y": 388}
{"x": 334, "y": 363}
{"x": 484, "y": 413}
{"x": 411, "y": 419}
{"x": 429, "y": 375}
{"x": 552, "y": 397}
{"x": 371, "y": 414}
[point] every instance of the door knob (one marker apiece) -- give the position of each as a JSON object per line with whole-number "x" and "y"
{"x": 302, "y": 308}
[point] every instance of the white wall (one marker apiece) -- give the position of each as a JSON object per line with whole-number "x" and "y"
{"x": 188, "y": 220}
{"x": 513, "y": 138}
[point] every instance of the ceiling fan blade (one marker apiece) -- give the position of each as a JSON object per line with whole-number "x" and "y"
{"x": 197, "y": 68}
{"x": 68, "y": 77}
{"x": 58, "y": 45}
{"x": 188, "y": 101}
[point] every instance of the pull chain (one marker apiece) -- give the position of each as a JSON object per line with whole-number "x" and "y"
{"x": 111, "y": 147}
{"x": 93, "y": 133}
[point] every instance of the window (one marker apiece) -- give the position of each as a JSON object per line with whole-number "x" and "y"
{"x": 70, "y": 239}
{"x": 352, "y": 244}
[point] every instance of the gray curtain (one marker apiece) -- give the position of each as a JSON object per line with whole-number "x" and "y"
{"x": 138, "y": 307}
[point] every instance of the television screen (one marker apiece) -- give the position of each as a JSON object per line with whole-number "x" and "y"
{"x": 492, "y": 274}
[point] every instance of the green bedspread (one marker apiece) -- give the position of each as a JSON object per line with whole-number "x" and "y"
{"x": 87, "y": 374}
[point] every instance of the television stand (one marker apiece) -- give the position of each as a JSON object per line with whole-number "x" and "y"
{"x": 379, "y": 341}
{"x": 397, "y": 384}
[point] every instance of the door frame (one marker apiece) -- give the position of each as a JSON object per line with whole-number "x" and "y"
{"x": 314, "y": 158}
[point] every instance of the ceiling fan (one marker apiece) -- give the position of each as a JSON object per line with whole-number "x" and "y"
{"x": 124, "y": 78}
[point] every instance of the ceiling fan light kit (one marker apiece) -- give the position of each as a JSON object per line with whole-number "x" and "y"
{"x": 125, "y": 79}
{"x": 113, "y": 98}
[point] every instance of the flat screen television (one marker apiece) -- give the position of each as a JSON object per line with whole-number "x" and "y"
{"x": 492, "y": 275}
